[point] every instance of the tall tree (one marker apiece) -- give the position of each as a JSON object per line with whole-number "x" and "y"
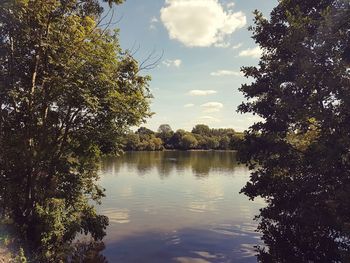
{"x": 165, "y": 128}
{"x": 67, "y": 93}
{"x": 299, "y": 154}
{"x": 188, "y": 141}
{"x": 201, "y": 129}
{"x": 165, "y": 133}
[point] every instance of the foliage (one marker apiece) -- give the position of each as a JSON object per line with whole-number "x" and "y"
{"x": 165, "y": 128}
{"x": 200, "y": 162}
{"x": 88, "y": 253}
{"x": 201, "y": 129}
{"x": 299, "y": 154}
{"x": 143, "y": 140}
{"x": 201, "y": 137}
{"x": 165, "y": 133}
{"x": 188, "y": 141}
{"x": 67, "y": 94}
{"x": 20, "y": 258}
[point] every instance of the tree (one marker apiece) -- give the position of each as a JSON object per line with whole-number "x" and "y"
{"x": 143, "y": 131}
{"x": 201, "y": 129}
{"x": 188, "y": 141}
{"x": 299, "y": 154}
{"x": 165, "y": 128}
{"x": 67, "y": 93}
{"x": 132, "y": 141}
{"x": 224, "y": 143}
{"x": 213, "y": 143}
{"x": 145, "y": 134}
{"x": 176, "y": 139}
{"x": 158, "y": 143}
{"x": 165, "y": 133}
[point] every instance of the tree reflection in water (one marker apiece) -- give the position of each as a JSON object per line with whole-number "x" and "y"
{"x": 88, "y": 252}
{"x": 302, "y": 222}
{"x": 307, "y": 220}
{"x": 300, "y": 227}
{"x": 201, "y": 162}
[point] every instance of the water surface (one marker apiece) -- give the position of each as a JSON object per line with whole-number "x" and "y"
{"x": 178, "y": 207}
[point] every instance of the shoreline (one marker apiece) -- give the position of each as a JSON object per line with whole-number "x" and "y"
{"x": 5, "y": 253}
{"x": 179, "y": 150}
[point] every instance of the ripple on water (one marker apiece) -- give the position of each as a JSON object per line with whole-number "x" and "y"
{"x": 119, "y": 216}
{"x": 198, "y": 207}
{"x": 190, "y": 260}
{"x": 173, "y": 238}
{"x": 248, "y": 250}
{"x": 160, "y": 212}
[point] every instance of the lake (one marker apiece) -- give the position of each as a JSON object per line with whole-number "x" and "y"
{"x": 176, "y": 206}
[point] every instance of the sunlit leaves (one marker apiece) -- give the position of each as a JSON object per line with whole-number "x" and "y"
{"x": 67, "y": 95}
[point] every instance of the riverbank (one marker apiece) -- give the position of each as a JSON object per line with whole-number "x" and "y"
{"x": 9, "y": 247}
{"x": 181, "y": 150}
{"x": 5, "y": 254}
{"x": 210, "y": 150}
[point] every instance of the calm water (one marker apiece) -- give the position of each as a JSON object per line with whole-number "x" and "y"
{"x": 178, "y": 207}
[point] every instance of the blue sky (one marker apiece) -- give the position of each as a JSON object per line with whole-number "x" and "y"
{"x": 204, "y": 44}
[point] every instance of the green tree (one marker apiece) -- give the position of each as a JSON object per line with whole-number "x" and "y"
{"x": 299, "y": 154}
{"x": 132, "y": 142}
{"x": 158, "y": 143}
{"x": 143, "y": 131}
{"x": 176, "y": 139}
{"x": 67, "y": 93}
{"x": 188, "y": 141}
{"x": 165, "y": 133}
{"x": 213, "y": 143}
{"x": 201, "y": 129}
{"x": 224, "y": 143}
{"x": 165, "y": 128}
{"x": 202, "y": 141}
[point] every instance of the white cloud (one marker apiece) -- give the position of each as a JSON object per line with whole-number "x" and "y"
{"x": 224, "y": 72}
{"x": 172, "y": 63}
{"x": 189, "y": 105}
{"x": 222, "y": 44}
{"x": 237, "y": 46}
{"x": 198, "y": 92}
{"x": 200, "y": 23}
{"x": 154, "y": 19}
{"x": 153, "y": 22}
{"x": 230, "y": 5}
{"x": 209, "y": 119}
{"x": 255, "y": 52}
{"x": 153, "y": 89}
{"x": 212, "y": 106}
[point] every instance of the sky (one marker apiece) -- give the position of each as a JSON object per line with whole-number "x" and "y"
{"x": 201, "y": 46}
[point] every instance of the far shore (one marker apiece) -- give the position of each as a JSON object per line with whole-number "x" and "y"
{"x": 5, "y": 252}
{"x": 192, "y": 150}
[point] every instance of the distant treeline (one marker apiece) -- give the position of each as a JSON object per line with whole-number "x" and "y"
{"x": 201, "y": 138}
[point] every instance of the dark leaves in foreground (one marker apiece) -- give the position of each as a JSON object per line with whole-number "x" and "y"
{"x": 300, "y": 153}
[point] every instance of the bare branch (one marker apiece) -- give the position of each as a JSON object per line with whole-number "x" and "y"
{"x": 151, "y": 61}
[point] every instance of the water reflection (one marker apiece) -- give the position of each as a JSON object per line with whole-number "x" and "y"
{"x": 120, "y": 216}
{"x": 160, "y": 212}
{"x": 304, "y": 231}
{"x": 178, "y": 207}
{"x": 184, "y": 245}
{"x": 201, "y": 162}
{"x": 88, "y": 252}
